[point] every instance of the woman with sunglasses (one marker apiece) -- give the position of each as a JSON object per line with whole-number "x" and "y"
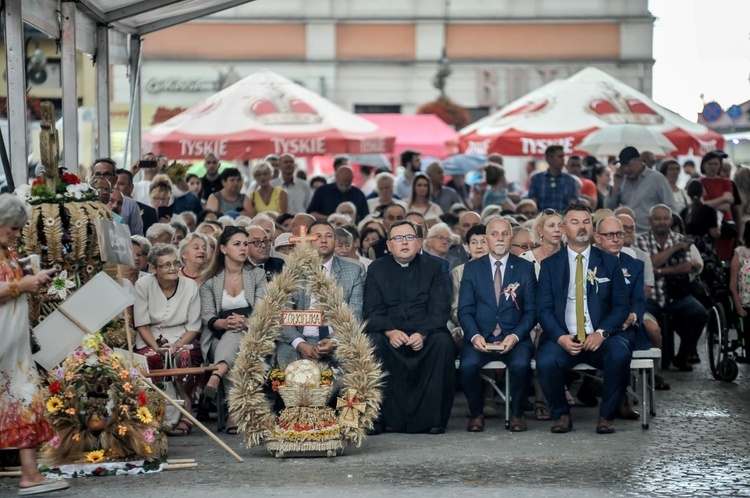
{"x": 167, "y": 316}
{"x": 230, "y": 291}
{"x": 547, "y": 233}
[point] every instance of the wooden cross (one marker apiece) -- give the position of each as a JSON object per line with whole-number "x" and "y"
{"x": 302, "y": 236}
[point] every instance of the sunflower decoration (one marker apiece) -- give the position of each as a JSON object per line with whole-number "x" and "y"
{"x": 177, "y": 171}
{"x": 95, "y": 399}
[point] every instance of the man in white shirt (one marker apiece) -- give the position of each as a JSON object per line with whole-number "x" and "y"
{"x": 298, "y": 192}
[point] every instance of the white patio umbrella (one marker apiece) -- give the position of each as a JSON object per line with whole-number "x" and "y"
{"x": 610, "y": 140}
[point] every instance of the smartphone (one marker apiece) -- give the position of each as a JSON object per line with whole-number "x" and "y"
{"x": 146, "y": 164}
{"x": 163, "y": 211}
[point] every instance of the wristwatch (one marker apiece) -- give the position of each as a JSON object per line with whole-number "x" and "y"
{"x": 603, "y": 332}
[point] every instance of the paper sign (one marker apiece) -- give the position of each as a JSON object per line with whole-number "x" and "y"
{"x": 302, "y": 318}
{"x": 93, "y": 305}
{"x": 139, "y": 360}
{"x": 114, "y": 242}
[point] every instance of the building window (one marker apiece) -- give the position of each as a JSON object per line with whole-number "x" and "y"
{"x": 377, "y": 109}
{"x": 477, "y": 113}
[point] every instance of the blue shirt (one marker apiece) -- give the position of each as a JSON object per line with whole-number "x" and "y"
{"x": 552, "y": 192}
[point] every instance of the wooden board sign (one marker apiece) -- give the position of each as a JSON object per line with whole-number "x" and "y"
{"x": 302, "y": 318}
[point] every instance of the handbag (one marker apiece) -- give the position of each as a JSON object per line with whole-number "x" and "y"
{"x": 171, "y": 387}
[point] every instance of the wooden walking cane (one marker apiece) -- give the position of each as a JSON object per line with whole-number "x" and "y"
{"x": 163, "y": 394}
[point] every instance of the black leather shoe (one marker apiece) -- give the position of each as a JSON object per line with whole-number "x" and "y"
{"x": 436, "y": 430}
{"x": 693, "y": 359}
{"x": 660, "y": 384}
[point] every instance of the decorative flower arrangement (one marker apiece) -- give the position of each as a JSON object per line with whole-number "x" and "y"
{"x": 510, "y": 292}
{"x": 177, "y": 171}
{"x": 67, "y": 187}
{"x": 98, "y": 409}
{"x": 114, "y": 333}
{"x": 447, "y": 110}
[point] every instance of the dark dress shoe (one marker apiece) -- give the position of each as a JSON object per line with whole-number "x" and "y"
{"x": 517, "y": 423}
{"x": 376, "y": 429}
{"x": 476, "y": 424}
{"x": 693, "y": 359}
{"x": 681, "y": 364}
{"x": 660, "y": 384}
{"x": 562, "y": 425}
{"x": 436, "y": 430}
{"x": 605, "y": 426}
{"x": 625, "y": 411}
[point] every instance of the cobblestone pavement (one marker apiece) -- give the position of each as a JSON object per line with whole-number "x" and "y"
{"x": 698, "y": 445}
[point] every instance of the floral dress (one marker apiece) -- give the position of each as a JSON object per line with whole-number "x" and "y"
{"x": 22, "y": 423}
{"x": 743, "y": 278}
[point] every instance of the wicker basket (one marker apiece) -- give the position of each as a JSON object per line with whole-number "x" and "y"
{"x": 304, "y": 395}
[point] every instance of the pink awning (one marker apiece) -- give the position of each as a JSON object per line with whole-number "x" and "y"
{"x": 425, "y": 133}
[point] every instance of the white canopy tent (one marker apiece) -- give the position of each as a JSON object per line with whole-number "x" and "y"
{"x": 108, "y": 30}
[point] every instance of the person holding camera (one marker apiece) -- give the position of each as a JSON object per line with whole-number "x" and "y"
{"x": 670, "y": 255}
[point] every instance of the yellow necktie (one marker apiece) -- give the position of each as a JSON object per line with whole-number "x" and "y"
{"x": 580, "y": 284}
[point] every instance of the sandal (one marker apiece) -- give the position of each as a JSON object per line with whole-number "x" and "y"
{"x": 45, "y": 486}
{"x": 183, "y": 428}
{"x": 541, "y": 411}
{"x": 210, "y": 391}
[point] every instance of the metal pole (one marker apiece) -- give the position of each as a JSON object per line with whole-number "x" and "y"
{"x": 134, "y": 116}
{"x": 102, "y": 91}
{"x": 15, "y": 68}
{"x": 70, "y": 87}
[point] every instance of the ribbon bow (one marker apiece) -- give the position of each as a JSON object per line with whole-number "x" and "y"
{"x": 350, "y": 407}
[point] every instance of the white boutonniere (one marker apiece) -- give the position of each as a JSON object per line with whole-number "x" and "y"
{"x": 510, "y": 293}
{"x": 626, "y": 274}
{"x": 592, "y": 279}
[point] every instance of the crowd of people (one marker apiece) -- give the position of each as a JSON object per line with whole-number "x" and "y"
{"x": 579, "y": 264}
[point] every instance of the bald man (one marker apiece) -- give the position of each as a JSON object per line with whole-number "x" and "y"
{"x": 327, "y": 197}
{"x": 467, "y": 220}
{"x": 297, "y": 191}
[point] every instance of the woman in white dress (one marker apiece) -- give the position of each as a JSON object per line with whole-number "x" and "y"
{"x": 232, "y": 288}
{"x": 167, "y": 315}
{"x": 22, "y": 423}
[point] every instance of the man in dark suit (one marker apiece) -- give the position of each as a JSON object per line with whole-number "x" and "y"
{"x": 610, "y": 238}
{"x": 314, "y": 343}
{"x": 582, "y": 302}
{"x": 496, "y": 306}
{"x": 258, "y": 251}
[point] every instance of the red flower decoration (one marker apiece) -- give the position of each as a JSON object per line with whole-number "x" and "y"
{"x": 37, "y": 182}
{"x": 54, "y": 388}
{"x": 142, "y": 398}
{"x": 70, "y": 179}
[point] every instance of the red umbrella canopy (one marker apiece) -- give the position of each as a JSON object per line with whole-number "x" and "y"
{"x": 263, "y": 114}
{"x": 564, "y": 112}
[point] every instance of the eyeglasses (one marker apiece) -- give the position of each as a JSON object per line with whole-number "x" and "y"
{"x": 166, "y": 266}
{"x": 401, "y": 238}
{"x": 258, "y": 243}
{"x": 549, "y": 212}
{"x": 612, "y": 235}
{"x": 525, "y": 247}
{"x": 160, "y": 199}
{"x": 100, "y": 174}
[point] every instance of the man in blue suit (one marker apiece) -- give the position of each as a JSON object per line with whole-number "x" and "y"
{"x": 610, "y": 238}
{"x": 496, "y": 305}
{"x": 583, "y": 303}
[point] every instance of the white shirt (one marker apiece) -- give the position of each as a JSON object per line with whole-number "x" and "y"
{"x": 570, "y": 307}
{"x": 311, "y": 330}
{"x": 298, "y": 194}
{"x": 503, "y": 267}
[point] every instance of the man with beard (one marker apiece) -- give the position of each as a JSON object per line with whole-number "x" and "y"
{"x": 582, "y": 302}
{"x": 411, "y": 160}
{"x": 499, "y": 311}
{"x": 406, "y": 306}
{"x": 314, "y": 343}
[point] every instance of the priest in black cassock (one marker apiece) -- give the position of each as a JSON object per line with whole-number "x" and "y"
{"x": 406, "y": 306}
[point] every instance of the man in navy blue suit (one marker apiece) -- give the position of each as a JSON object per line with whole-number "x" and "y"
{"x": 610, "y": 238}
{"x": 583, "y": 303}
{"x": 496, "y": 306}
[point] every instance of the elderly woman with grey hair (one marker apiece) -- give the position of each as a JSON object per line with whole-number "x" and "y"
{"x": 160, "y": 233}
{"x": 231, "y": 289}
{"x": 439, "y": 241}
{"x": 167, "y": 315}
{"x": 22, "y": 424}
{"x": 194, "y": 255}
